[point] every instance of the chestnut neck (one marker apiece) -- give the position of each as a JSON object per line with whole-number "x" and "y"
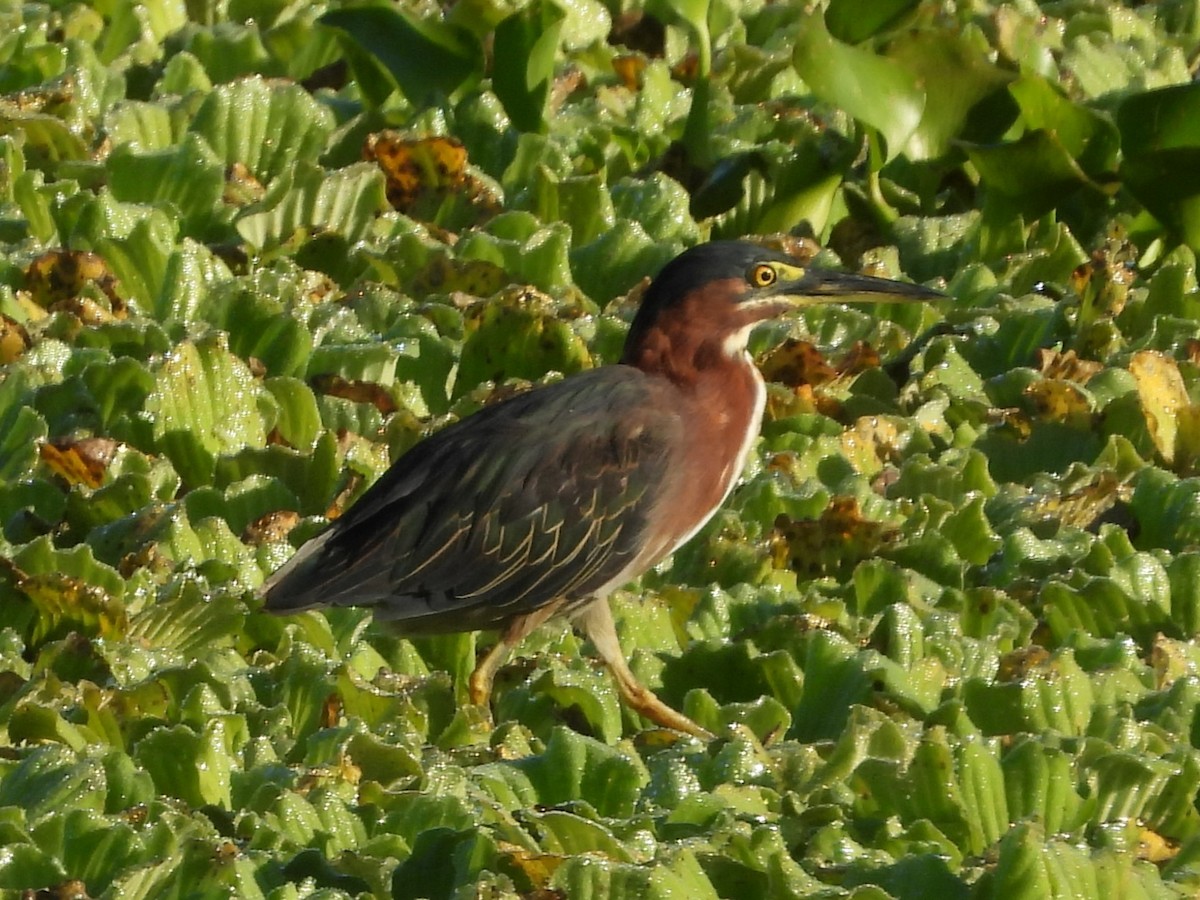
{"x": 704, "y": 334}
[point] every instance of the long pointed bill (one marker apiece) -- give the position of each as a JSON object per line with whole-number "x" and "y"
{"x": 826, "y": 286}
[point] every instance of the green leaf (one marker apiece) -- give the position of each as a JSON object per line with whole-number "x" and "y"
{"x": 193, "y": 767}
{"x": 345, "y": 202}
{"x": 93, "y": 848}
{"x": 1031, "y": 175}
{"x": 569, "y": 835}
{"x": 1161, "y": 155}
{"x": 613, "y": 263}
{"x": 139, "y": 28}
{"x": 983, "y": 787}
{"x": 50, "y": 779}
{"x": 264, "y": 126}
{"x": 1040, "y": 786}
{"x": 1104, "y": 608}
{"x": 442, "y": 860}
{"x": 228, "y": 50}
{"x": 140, "y": 258}
{"x": 852, "y": 22}
{"x": 659, "y": 205}
{"x": 693, "y": 12}
{"x": 48, "y": 139}
{"x": 34, "y": 201}
{"x": 530, "y": 253}
{"x": 20, "y": 427}
{"x": 184, "y": 75}
{"x": 1126, "y": 783}
{"x": 956, "y": 76}
{"x": 871, "y": 88}
{"x": 259, "y": 327}
{"x": 140, "y": 127}
{"x": 1091, "y": 138}
{"x": 834, "y": 680}
{"x": 119, "y": 389}
{"x": 426, "y": 57}
{"x": 1054, "y": 694}
{"x": 203, "y": 406}
{"x": 191, "y": 624}
{"x": 516, "y": 335}
{"x": 187, "y": 178}
{"x": 587, "y": 690}
{"x": 310, "y": 473}
{"x": 525, "y": 52}
{"x": 594, "y": 877}
{"x": 25, "y": 867}
{"x": 41, "y": 557}
{"x": 574, "y": 767}
{"x": 299, "y": 419}
{"x": 1022, "y": 871}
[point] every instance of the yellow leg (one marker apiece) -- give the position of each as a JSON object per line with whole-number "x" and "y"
{"x": 597, "y": 623}
{"x": 479, "y": 686}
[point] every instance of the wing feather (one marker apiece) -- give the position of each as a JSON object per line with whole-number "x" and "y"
{"x": 544, "y": 496}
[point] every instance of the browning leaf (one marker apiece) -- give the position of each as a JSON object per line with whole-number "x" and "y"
{"x": 832, "y": 544}
{"x": 638, "y": 30}
{"x": 443, "y": 275}
{"x": 331, "y": 710}
{"x": 241, "y": 187}
{"x": 1019, "y": 664}
{"x": 1103, "y": 282}
{"x": 1054, "y": 364}
{"x": 274, "y": 526}
{"x": 1155, "y": 848}
{"x": 1056, "y": 400}
{"x": 796, "y": 363}
{"x": 1085, "y": 506}
{"x": 1170, "y": 660}
{"x": 79, "y": 462}
{"x": 422, "y": 171}
{"x": 629, "y": 68}
{"x": 859, "y": 358}
{"x": 538, "y": 868}
{"x": 59, "y": 275}
{"x": 355, "y": 391}
{"x": 871, "y": 442}
{"x": 60, "y": 597}
{"x": 341, "y": 502}
{"x": 782, "y": 403}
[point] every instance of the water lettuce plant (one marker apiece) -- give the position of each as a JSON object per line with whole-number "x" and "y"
{"x": 946, "y": 626}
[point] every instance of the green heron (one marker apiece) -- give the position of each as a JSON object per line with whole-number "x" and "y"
{"x": 544, "y": 503}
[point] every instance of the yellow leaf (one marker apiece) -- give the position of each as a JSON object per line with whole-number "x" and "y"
{"x": 1154, "y": 848}
{"x": 1162, "y": 394}
{"x": 14, "y": 339}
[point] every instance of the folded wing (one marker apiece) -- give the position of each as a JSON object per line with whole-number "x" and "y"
{"x": 543, "y": 496}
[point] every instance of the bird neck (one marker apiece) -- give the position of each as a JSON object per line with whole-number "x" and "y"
{"x": 716, "y": 393}
{"x": 687, "y": 358}
{"x": 702, "y": 336}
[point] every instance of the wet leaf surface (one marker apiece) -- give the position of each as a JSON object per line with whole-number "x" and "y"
{"x": 945, "y": 624}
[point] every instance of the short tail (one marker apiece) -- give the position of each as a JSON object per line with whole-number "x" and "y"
{"x": 295, "y": 586}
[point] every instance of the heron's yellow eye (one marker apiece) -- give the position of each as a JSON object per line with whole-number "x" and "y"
{"x": 763, "y": 275}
